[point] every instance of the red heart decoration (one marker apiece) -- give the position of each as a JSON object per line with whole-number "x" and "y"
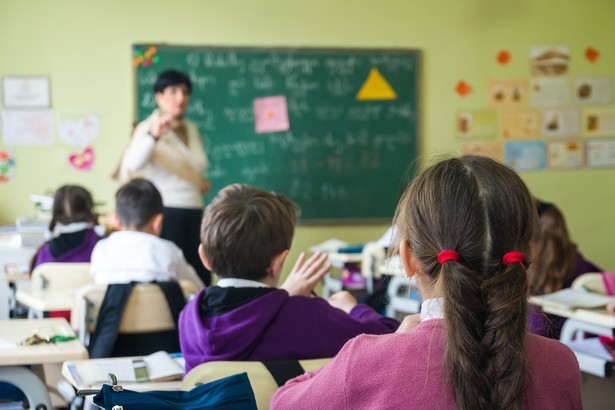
{"x": 84, "y": 160}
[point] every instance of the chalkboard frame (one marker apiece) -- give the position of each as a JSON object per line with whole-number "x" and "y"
{"x": 416, "y": 83}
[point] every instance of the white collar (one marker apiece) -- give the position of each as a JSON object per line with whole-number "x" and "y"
{"x": 72, "y": 227}
{"x": 432, "y": 309}
{"x": 239, "y": 283}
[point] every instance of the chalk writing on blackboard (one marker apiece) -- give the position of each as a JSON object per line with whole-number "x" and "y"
{"x": 340, "y": 157}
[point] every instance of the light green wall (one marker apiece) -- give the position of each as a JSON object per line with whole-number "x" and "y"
{"x": 84, "y": 47}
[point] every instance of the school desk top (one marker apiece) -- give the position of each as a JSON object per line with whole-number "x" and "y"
{"x": 14, "y": 331}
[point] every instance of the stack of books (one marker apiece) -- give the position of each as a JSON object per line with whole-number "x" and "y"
{"x": 32, "y": 231}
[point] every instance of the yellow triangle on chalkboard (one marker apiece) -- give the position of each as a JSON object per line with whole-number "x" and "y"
{"x": 376, "y": 88}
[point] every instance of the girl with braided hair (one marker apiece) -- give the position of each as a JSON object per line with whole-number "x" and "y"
{"x": 464, "y": 231}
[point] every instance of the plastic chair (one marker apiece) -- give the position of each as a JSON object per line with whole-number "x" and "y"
{"x": 263, "y": 383}
{"x": 59, "y": 276}
{"x": 592, "y": 282}
{"x": 145, "y": 312}
{"x": 33, "y": 388}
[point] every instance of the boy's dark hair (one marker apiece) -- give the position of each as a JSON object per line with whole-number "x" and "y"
{"x": 137, "y": 202}
{"x": 72, "y": 203}
{"x": 244, "y": 228}
{"x": 172, "y": 77}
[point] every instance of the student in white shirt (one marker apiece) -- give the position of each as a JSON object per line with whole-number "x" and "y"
{"x": 136, "y": 252}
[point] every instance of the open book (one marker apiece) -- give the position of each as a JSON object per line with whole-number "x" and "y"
{"x": 158, "y": 366}
{"x": 572, "y": 299}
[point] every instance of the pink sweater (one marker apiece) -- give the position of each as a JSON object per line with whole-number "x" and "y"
{"x": 406, "y": 371}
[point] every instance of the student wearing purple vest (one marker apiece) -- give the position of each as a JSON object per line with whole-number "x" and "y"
{"x": 72, "y": 222}
{"x": 246, "y": 235}
{"x": 465, "y": 226}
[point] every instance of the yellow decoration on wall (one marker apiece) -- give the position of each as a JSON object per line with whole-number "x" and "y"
{"x": 376, "y": 88}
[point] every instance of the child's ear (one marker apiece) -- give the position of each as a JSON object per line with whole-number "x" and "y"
{"x": 278, "y": 262}
{"x": 115, "y": 221}
{"x": 407, "y": 258}
{"x": 157, "y": 223}
{"x": 204, "y": 258}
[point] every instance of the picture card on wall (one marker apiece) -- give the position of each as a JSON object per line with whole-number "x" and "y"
{"x": 562, "y": 122}
{"x": 78, "y": 128}
{"x": 525, "y": 155}
{"x": 25, "y": 92}
{"x": 477, "y": 124}
{"x": 565, "y": 154}
{"x": 593, "y": 90}
{"x": 549, "y": 92}
{"x": 600, "y": 153}
{"x": 7, "y": 165}
{"x": 507, "y": 92}
{"x": 549, "y": 60}
{"x": 599, "y": 122}
{"x": 493, "y": 150}
{"x": 31, "y": 127}
{"x": 519, "y": 124}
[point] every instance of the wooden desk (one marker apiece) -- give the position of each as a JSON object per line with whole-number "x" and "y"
{"x": 580, "y": 321}
{"x": 12, "y": 255}
{"x": 13, "y": 356}
{"x": 39, "y": 301}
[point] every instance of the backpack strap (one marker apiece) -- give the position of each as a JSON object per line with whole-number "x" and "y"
{"x": 109, "y": 318}
{"x": 175, "y": 298}
{"x": 283, "y": 370}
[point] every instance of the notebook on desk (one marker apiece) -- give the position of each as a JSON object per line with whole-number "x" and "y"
{"x": 159, "y": 366}
{"x": 571, "y": 298}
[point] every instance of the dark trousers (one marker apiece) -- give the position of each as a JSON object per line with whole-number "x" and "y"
{"x": 183, "y": 227}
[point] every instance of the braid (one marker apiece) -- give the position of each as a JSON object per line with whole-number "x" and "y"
{"x": 465, "y": 356}
{"x": 503, "y": 340}
{"x": 482, "y": 210}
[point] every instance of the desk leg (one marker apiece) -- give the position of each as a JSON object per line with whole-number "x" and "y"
{"x": 573, "y": 326}
{"x": 32, "y": 386}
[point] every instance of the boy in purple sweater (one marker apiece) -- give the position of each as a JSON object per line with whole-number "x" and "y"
{"x": 246, "y": 235}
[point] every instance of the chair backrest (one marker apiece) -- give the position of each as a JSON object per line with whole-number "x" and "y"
{"x": 262, "y": 381}
{"x": 590, "y": 281}
{"x": 146, "y": 310}
{"x": 61, "y": 276}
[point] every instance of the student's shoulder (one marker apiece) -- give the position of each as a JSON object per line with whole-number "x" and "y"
{"x": 549, "y": 351}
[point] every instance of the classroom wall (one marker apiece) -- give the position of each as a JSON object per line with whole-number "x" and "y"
{"x": 84, "y": 47}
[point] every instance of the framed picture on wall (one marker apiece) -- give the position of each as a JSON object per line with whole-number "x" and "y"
{"x": 25, "y": 92}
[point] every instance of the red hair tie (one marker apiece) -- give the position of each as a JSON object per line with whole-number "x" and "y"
{"x": 448, "y": 255}
{"x": 512, "y": 257}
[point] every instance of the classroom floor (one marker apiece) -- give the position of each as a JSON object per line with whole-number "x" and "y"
{"x": 598, "y": 393}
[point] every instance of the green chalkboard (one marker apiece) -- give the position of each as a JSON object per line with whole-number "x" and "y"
{"x": 352, "y": 126}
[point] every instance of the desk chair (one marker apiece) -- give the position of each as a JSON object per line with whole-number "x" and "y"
{"x": 263, "y": 383}
{"x": 59, "y": 276}
{"x": 403, "y": 296}
{"x": 592, "y": 282}
{"x": 145, "y": 312}
{"x": 371, "y": 258}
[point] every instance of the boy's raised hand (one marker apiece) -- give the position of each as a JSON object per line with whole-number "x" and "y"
{"x": 306, "y": 274}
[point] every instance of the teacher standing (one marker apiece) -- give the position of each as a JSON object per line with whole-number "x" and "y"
{"x": 167, "y": 150}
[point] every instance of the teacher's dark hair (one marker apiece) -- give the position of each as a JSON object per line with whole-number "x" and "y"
{"x": 172, "y": 77}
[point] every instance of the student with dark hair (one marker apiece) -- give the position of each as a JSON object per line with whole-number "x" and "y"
{"x": 464, "y": 230}
{"x": 556, "y": 263}
{"x": 72, "y": 222}
{"x": 135, "y": 253}
{"x": 246, "y": 235}
{"x": 167, "y": 149}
